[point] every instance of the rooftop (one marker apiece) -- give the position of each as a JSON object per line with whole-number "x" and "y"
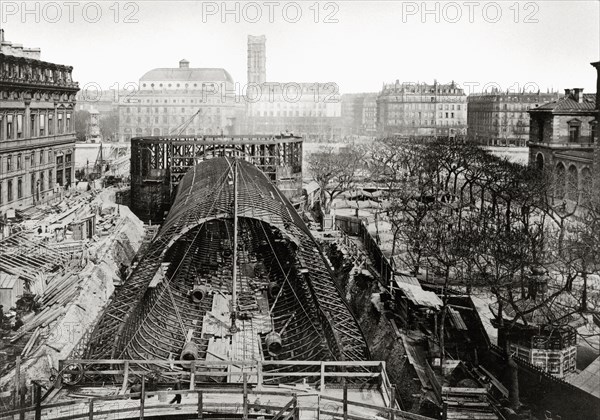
{"x": 569, "y": 104}
{"x": 184, "y": 73}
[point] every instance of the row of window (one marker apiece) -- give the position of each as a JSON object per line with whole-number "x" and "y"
{"x": 423, "y": 122}
{"x": 425, "y": 106}
{"x": 186, "y": 85}
{"x": 291, "y": 114}
{"x": 27, "y": 72}
{"x": 20, "y": 161}
{"x": 173, "y": 120}
{"x": 165, "y": 110}
{"x": 12, "y": 125}
{"x": 505, "y": 107}
{"x": 14, "y": 188}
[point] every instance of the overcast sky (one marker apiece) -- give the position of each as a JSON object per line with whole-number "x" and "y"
{"x": 357, "y": 44}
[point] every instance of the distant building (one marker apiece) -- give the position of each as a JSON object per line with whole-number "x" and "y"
{"x": 37, "y": 135}
{"x": 180, "y": 100}
{"x": 103, "y": 102}
{"x": 310, "y": 110}
{"x": 563, "y": 140}
{"x": 93, "y": 127}
{"x": 369, "y": 119}
{"x": 359, "y": 114}
{"x": 421, "y": 110}
{"x": 257, "y": 59}
{"x": 500, "y": 118}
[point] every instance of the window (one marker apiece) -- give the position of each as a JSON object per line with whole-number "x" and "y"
{"x": 42, "y": 124}
{"x": 50, "y": 124}
{"x": 32, "y": 126}
{"x": 68, "y": 158}
{"x": 68, "y": 123}
{"x": 9, "y": 163}
{"x": 60, "y": 123}
{"x": 19, "y": 162}
{"x": 59, "y": 175}
{"x": 9, "y": 190}
{"x": 19, "y": 188}
{"x": 574, "y": 130}
{"x": 19, "y": 126}
{"x": 42, "y": 185}
{"x": 32, "y": 183}
{"x": 59, "y": 160}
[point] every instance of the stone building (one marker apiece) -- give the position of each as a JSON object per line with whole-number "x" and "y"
{"x": 500, "y": 118}
{"x": 37, "y": 137}
{"x": 257, "y": 59}
{"x": 563, "y": 140}
{"x": 310, "y": 110}
{"x": 359, "y": 114}
{"x": 421, "y": 110}
{"x": 180, "y": 100}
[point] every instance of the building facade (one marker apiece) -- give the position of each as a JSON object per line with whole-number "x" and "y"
{"x": 37, "y": 137}
{"x": 181, "y": 101}
{"x": 310, "y": 110}
{"x": 501, "y": 118}
{"x": 563, "y": 141}
{"x": 421, "y": 110}
{"x": 359, "y": 114}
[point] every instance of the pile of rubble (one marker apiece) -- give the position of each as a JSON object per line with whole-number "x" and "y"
{"x": 62, "y": 264}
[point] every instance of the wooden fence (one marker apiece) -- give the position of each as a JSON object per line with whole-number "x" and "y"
{"x": 328, "y": 374}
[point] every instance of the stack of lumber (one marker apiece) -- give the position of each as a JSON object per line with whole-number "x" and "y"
{"x": 42, "y": 319}
{"x": 55, "y": 299}
{"x": 62, "y": 288}
{"x": 467, "y": 403}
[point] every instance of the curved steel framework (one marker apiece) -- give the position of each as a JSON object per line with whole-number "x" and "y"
{"x": 173, "y": 296}
{"x": 158, "y": 164}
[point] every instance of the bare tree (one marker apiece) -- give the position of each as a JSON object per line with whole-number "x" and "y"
{"x": 335, "y": 172}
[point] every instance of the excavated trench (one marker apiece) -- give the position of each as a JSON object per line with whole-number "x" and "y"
{"x": 362, "y": 294}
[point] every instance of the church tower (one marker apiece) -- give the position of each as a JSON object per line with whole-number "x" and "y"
{"x": 257, "y": 59}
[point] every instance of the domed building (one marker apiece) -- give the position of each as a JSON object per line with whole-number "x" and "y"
{"x": 180, "y": 101}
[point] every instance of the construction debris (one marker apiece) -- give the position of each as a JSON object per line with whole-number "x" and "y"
{"x": 52, "y": 255}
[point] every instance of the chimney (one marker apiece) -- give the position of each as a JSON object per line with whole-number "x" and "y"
{"x": 184, "y": 64}
{"x": 567, "y": 93}
{"x": 578, "y": 95}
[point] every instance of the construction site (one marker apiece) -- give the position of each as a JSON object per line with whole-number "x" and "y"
{"x": 229, "y": 301}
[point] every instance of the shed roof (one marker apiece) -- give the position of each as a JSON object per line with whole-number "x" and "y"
{"x": 415, "y": 292}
